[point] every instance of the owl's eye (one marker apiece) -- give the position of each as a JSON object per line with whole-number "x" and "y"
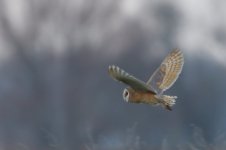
{"x": 126, "y": 95}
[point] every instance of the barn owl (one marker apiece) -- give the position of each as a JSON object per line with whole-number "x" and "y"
{"x": 151, "y": 92}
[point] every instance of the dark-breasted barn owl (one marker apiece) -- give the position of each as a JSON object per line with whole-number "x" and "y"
{"x": 151, "y": 92}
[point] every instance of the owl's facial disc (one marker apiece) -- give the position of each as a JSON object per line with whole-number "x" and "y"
{"x": 126, "y": 95}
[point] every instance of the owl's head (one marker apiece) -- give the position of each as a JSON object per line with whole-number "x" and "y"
{"x": 126, "y": 95}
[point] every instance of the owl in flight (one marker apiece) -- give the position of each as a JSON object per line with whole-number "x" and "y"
{"x": 151, "y": 92}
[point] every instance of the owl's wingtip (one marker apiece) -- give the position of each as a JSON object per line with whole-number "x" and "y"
{"x": 177, "y": 50}
{"x": 112, "y": 69}
{"x": 111, "y": 66}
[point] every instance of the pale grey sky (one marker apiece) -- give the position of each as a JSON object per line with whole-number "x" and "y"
{"x": 200, "y": 32}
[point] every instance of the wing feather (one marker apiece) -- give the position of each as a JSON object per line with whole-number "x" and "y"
{"x": 122, "y": 76}
{"x": 166, "y": 75}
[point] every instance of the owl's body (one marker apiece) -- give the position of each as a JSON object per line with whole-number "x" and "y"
{"x": 147, "y": 97}
{"x": 151, "y": 92}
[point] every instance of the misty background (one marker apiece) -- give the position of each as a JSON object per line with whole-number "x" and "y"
{"x": 55, "y": 91}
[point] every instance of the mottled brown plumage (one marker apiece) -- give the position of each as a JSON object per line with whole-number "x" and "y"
{"x": 151, "y": 92}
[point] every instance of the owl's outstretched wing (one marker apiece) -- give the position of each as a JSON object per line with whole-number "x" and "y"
{"x": 165, "y": 76}
{"x": 122, "y": 76}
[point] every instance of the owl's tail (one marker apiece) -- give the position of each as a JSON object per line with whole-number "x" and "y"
{"x": 168, "y": 101}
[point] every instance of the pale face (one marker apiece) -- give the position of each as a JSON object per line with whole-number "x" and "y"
{"x": 126, "y": 95}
